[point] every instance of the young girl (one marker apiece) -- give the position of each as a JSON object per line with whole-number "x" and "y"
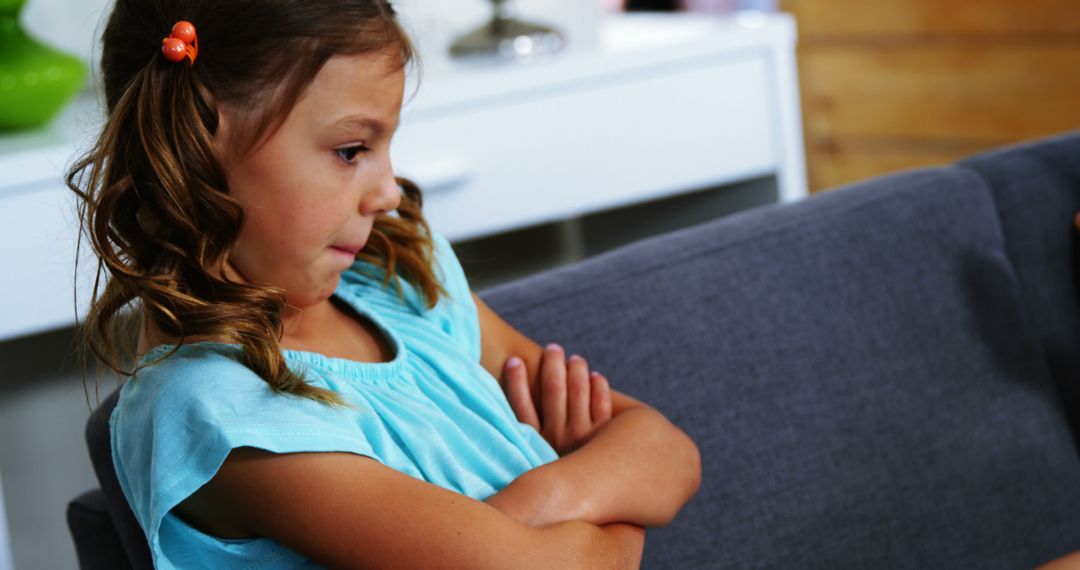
{"x": 314, "y": 384}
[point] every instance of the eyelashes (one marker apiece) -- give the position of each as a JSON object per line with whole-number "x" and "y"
{"x": 348, "y": 154}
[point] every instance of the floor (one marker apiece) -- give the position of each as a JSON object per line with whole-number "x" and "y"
{"x": 43, "y": 406}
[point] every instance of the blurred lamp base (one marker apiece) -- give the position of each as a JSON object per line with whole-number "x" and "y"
{"x": 508, "y": 39}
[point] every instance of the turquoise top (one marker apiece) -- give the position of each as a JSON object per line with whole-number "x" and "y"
{"x": 433, "y": 412}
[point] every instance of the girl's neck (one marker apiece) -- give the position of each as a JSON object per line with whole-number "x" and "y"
{"x": 300, "y": 324}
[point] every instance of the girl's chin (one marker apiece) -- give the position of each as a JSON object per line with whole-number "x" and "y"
{"x": 314, "y": 295}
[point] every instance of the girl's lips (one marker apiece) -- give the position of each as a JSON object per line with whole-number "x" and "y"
{"x": 349, "y": 250}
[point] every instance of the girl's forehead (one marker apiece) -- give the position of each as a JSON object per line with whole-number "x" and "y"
{"x": 377, "y": 70}
{"x": 373, "y": 82}
{"x": 350, "y": 97}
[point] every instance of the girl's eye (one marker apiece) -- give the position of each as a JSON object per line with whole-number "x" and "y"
{"x": 348, "y": 154}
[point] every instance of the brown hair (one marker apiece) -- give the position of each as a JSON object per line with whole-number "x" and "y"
{"x": 155, "y": 204}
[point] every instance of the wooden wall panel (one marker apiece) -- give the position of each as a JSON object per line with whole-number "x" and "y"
{"x": 832, "y": 19}
{"x": 990, "y": 93}
{"x": 896, "y": 84}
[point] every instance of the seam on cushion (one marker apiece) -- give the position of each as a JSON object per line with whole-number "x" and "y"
{"x": 1073, "y": 421}
{"x": 988, "y": 189}
{"x": 876, "y": 198}
{"x": 1025, "y": 305}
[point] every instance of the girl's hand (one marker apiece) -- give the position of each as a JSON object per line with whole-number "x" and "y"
{"x": 574, "y": 402}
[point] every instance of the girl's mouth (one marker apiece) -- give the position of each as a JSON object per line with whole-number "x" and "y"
{"x": 351, "y": 251}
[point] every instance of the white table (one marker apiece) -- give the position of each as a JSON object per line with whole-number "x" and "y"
{"x": 667, "y": 104}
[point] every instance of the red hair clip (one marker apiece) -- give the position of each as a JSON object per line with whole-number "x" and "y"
{"x": 181, "y": 43}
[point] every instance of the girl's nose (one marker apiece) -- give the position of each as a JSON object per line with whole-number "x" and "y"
{"x": 384, "y": 197}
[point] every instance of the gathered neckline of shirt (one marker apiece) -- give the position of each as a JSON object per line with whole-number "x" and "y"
{"x": 339, "y": 366}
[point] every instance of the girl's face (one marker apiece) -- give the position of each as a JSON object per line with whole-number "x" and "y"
{"x": 312, "y": 191}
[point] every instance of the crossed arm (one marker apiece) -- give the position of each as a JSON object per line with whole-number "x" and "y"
{"x": 602, "y": 482}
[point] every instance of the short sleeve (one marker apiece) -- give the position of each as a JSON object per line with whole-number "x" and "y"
{"x": 177, "y": 420}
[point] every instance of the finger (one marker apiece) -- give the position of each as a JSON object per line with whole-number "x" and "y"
{"x": 517, "y": 393}
{"x": 1076, "y": 220}
{"x": 601, "y": 398}
{"x": 579, "y": 417}
{"x": 553, "y": 391}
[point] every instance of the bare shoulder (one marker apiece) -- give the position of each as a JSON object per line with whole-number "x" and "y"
{"x": 334, "y": 507}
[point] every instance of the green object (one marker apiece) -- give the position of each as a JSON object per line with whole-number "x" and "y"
{"x": 36, "y": 81}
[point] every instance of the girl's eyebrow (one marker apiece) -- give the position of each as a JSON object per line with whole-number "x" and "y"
{"x": 353, "y": 123}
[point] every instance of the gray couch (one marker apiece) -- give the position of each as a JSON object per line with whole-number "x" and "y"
{"x": 885, "y": 375}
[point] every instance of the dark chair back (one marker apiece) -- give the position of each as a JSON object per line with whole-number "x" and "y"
{"x": 97, "y": 536}
{"x": 97, "y": 544}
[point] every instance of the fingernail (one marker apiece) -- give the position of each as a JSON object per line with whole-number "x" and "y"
{"x": 513, "y": 362}
{"x": 554, "y": 346}
{"x": 576, "y": 357}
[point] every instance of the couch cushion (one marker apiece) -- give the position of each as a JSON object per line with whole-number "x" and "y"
{"x": 1036, "y": 187}
{"x": 859, "y": 370}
